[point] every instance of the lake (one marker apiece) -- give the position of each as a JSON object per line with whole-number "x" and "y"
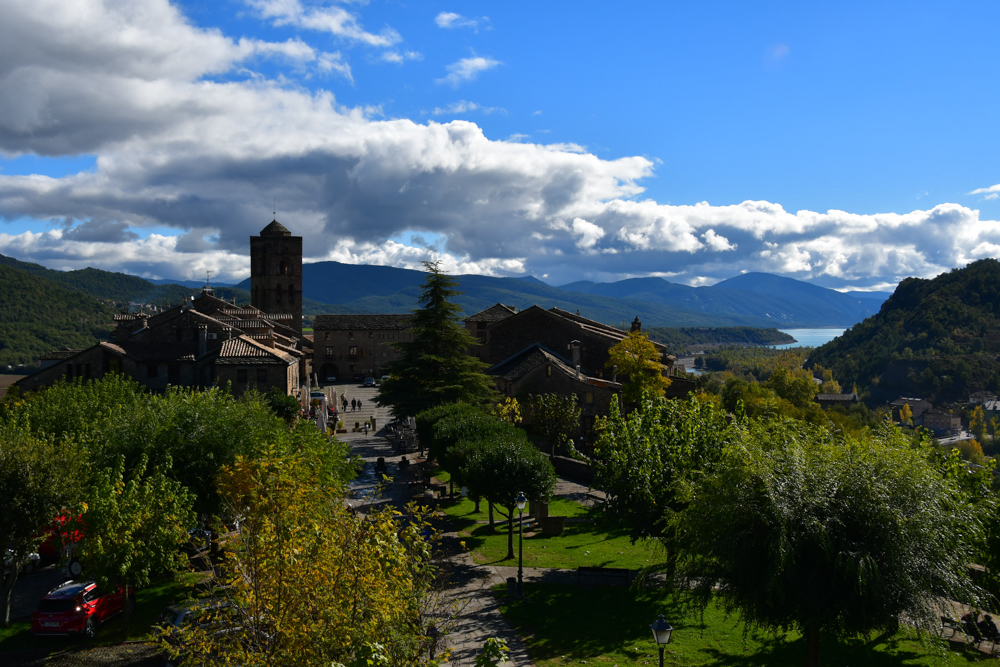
{"x": 809, "y": 337}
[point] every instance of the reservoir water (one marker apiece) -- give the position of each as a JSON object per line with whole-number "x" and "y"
{"x": 809, "y": 337}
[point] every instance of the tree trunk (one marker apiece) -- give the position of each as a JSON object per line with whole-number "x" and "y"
{"x": 493, "y": 525}
{"x": 477, "y": 510}
{"x": 812, "y": 646}
{"x": 8, "y": 589}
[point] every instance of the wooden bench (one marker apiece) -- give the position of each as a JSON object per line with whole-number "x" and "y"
{"x": 603, "y": 576}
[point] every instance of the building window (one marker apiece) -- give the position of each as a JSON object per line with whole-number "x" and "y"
{"x": 350, "y": 335}
{"x": 151, "y": 370}
{"x": 371, "y": 334}
{"x": 329, "y": 351}
{"x": 371, "y": 352}
{"x": 241, "y": 376}
{"x": 326, "y": 336}
{"x": 352, "y": 368}
{"x": 283, "y": 268}
{"x": 261, "y": 376}
{"x": 277, "y": 293}
{"x": 352, "y": 351}
{"x": 588, "y": 397}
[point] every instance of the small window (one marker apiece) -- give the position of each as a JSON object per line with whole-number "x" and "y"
{"x": 589, "y": 397}
{"x": 261, "y": 376}
{"x": 277, "y": 294}
{"x": 350, "y": 335}
{"x": 371, "y": 334}
{"x": 241, "y": 376}
{"x": 329, "y": 351}
{"x": 371, "y": 352}
{"x": 283, "y": 268}
{"x": 352, "y": 368}
{"x": 151, "y": 370}
{"x": 326, "y": 336}
{"x": 353, "y": 350}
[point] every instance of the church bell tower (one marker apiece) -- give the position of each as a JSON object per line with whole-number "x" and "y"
{"x": 276, "y": 273}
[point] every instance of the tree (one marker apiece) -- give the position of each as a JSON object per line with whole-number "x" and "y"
{"x": 37, "y": 479}
{"x": 435, "y": 367}
{"x": 906, "y": 415}
{"x": 977, "y": 422}
{"x": 640, "y": 460}
{"x": 309, "y": 583}
{"x": 132, "y": 529}
{"x": 800, "y": 528}
{"x": 638, "y": 359}
{"x": 502, "y": 466}
{"x": 556, "y": 417}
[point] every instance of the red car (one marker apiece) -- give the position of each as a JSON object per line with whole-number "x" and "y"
{"x": 75, "y": 608}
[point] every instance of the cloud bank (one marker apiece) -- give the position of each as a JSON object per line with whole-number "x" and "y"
{"x": 193, "y": 147}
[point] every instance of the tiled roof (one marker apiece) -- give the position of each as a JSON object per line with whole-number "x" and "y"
{"x": 494, "y": 313}
{"x": 519, "y": 365}
{"x": 245, "y": 350}
{"x": 64, "y": 353}
{"x": 836, "y": 397}
{"x": 356, "y": 322}
{"x": 275, "y": 228}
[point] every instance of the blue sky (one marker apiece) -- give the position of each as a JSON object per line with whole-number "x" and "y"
{"x": 849, "y": 145}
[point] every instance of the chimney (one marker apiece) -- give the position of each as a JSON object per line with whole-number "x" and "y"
{"x": 636, "y": 324}
{"x": 202, "y": 340}
{"x": 578, "y": 373}
{"x": 574, "y": 348}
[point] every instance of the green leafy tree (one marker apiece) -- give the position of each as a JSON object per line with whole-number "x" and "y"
{"x": 132, "y": 528}
{"x": 639, "y": 360}
{"x": 556, "y": 417}
{"x": 977, "y": 422}
{"x": 435, "y": 367}
{"x": 640, "y": 460}
{"x": 502, "y": 466}
{"x": 37, "y": 479}
{"x": 906, "y": 415}
{"x": 798, "y": 528}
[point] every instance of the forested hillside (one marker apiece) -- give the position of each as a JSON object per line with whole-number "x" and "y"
{"x": 38, "y": 316}
{"x": 938, "y": 339}
{"x": 681, "y": 339}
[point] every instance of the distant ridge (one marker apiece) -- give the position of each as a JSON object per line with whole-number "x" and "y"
{"x": 755, "y": 300}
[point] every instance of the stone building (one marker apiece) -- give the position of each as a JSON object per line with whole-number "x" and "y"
{"x": 537, "y": 370}
{"x": 276, "y": 273}
{"x": 357, "y": 346}
{"x": 207, "y": 341}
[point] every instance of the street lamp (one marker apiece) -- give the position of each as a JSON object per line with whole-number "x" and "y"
{"x": 521, "y": 501}
{"x": 661, "y": 634}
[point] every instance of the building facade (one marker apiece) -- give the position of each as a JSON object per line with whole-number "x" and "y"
{"x": 276, "y": 273}
{"x": 352, "y": 347}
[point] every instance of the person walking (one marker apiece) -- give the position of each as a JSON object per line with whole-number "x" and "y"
{"x": 354, "y": 404}
{"x": 366, "y": 429}
{"x": 343, "y": 401}
{"x": 359, "y": 404}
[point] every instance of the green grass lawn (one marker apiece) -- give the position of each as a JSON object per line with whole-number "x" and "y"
{"x": 609, "y": 627}
{"x": 150, "y": 601}
{"x": 580, "y": 544}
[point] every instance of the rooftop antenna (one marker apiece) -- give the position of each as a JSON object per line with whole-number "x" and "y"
{"x": 208, "y": 276}
{"x": 274, "y": 207}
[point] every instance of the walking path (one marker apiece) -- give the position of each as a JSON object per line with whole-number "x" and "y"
{"x": 468, "y": 608}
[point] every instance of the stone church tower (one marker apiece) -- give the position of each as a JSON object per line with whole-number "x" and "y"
{"x": 276, "y": 273}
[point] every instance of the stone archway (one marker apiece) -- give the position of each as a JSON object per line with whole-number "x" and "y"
{"x": 328, "y": 371}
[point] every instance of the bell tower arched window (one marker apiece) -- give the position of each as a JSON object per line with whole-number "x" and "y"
{"x": 291, "y": 294}
{"x": 277, "y": 293}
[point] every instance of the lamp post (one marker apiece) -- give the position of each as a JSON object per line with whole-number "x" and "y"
{"x": 521, "y": 501}
{"x": 661, "y": 634}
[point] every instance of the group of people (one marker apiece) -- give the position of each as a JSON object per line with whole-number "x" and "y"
{"x": 978, "y": 628}
{"x": 355, "y": 403}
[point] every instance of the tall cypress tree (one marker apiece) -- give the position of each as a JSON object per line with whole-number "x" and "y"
{"x": 436, "y": 368}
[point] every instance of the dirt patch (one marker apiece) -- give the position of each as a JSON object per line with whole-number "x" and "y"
{"x": 117, "y": 655}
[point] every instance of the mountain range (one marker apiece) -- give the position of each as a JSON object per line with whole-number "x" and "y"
{"x": 750, "y": 299}
{"x": 40, "y": 313}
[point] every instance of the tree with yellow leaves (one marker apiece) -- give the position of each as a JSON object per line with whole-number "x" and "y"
{"x": 639, "y": 360}
{"x": 304, "y": 580}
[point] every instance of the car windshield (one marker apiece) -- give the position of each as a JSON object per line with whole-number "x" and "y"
{"x": 56, "y": 605}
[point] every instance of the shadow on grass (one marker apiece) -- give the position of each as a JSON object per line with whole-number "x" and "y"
{"x": 610, "y": 625}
